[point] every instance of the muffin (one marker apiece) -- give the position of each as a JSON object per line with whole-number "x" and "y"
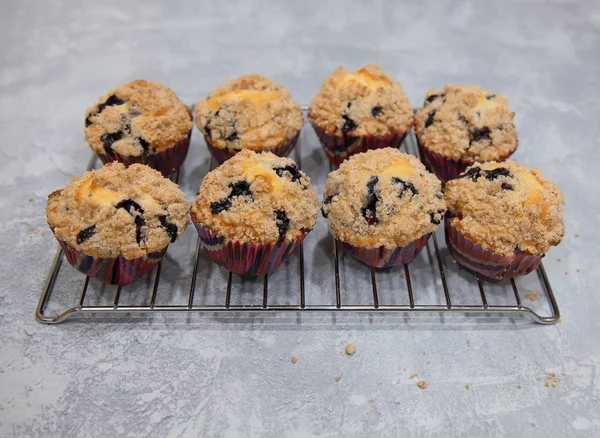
{"x": 250, "y": 112}
{"x": 459, "y": 126}
{"x": 382, "y": 206}
{"x": 253, "y": 211}
{"x": 502, "y": 218}
{"x": 115, "y": 223}
{"x": 357, "y": 111}
{"x": 140, "y": 122}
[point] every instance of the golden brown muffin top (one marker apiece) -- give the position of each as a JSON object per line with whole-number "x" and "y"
{"x": 137, "y": 118}
{"x": 365, "y": 102}
{"x": 505, "y": 207}
{"x": 258, "y": 198}
{"x": 115, "y": 210}
{"x": 382, "y": 197}
{"x": 250, "y": 112}
{"x": 466, "y": 123}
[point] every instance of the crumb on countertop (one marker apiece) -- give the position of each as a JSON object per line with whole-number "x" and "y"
{"x": 422, "y": 384}
{"x": 397, "y": 403}
{"x": 338, "y": 378}
{"x": 577, "y": 235}
{"x": 294, "y": 359}
{"x": 350, "y": 349}
{"x": 372, "y": 400}
{"x": 412, "y": 376}
{"x": 518, "y": 386}
{"x": 551, "y": 380}
{"x": 578, "y": 270}
{"x": 31, "y": 199}
{"x": 532, "y": 296}
{"x": 468, "y": 343}
{"x": 467, "y": 386}
{"x": 398, "y": 382}
{"x": 428, "y": 362}
{"x": 342, "y": 342}
{"x": 559, "y": 259}
{"x": 532, "y": 424}
{"x": 403, "y": 275}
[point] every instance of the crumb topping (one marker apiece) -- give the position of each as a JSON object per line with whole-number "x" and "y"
{"x": 466, "y": 123}
{"x": 250, "y": 112}
{"x": 382, "y": 197}
{"x": 137, "y": 118}
{"x": 365, "y": 102}
{"x": 259, "y": 198}
{"x": 114, "y": 211}
{"x": 505, "y": 207}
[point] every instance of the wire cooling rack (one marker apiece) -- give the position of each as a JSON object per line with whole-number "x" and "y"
{"x": 317, "y": 278}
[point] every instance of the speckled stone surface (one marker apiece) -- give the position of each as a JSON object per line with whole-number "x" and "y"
{"x": 233, "y": 376}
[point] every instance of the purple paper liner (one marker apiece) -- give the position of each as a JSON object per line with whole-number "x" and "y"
{"x": 166, "y": 162}
{"x": 485, "y": 261}
{"x": 224, "y": 154}
{"x": 113, "y": 270}
{"x": 246, "y": 259}
{"x": 339, "y": 148}
{"x": 446, "y": 168}
{"x": 383, "y": 257}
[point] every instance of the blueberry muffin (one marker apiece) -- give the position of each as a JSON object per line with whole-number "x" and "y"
{"x": 459, "y": 126}
{"x": 382, "y": 206}
{"x": 250, "y": 112}
{"x": 253, "y": 211}
{"x": 140, "y": 122}
{"x": 502, "y": 218}
{"x": 116, "y": 223}
{"x": 357, "y": 111}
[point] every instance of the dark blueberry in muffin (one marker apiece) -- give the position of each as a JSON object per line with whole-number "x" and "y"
{"x": 376, "y": 111}
{"x": 295, "y": 174}
{"x": 495, "y": 173}
{"x": 240, "y": 188}
{"x": 139, "y": 223}
{"x": 507, "y": 186}
{"x": 349, "y": 105}
{"x": 433, "y": 97}
{"x": 233, "y": 137}
{"x": 349, "y": 124}
{"x": 219, "y": 206}
{"x": 478, "y": 134}
{"x": 435, "y": 219}
{"x": 145, "y": 145}
{"x": 430, "y": 119}
{"x": 474, "y": 173}
{"x": 111, "y": 101}
{"x": 283, "y": 223}
{"x": 169, "y": 227}
{"x": 109, "y": 139}
{"x": 463, "y": 119}
{"x": 370, "y": 211}
{"x": 128, "y": 205}
{"x": 490, "y": 96}
{"x": 405, "y": 186}
{"x": 86, "y": 234}
{"x": 327, "y": 200}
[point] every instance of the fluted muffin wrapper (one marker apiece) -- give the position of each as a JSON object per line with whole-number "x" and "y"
{"x": 224, "y": 154}
{"x": 383, "y": 257}
{"x": 339, "y": 148}
{"x": 110, "y": 270}
{"x": 446, "y": 168}
{"x": 166, "y": 162}
{"x": 485, "y": 261}
{"x": 243, "y": 258}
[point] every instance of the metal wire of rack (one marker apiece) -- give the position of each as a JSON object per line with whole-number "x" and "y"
{"x": 448, "y": 304}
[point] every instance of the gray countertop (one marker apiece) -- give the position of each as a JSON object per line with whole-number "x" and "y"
{"x": 224, "y": 376}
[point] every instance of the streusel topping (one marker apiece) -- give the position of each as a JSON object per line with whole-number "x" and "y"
{"x": 259, "y": 198}
{"x": 365, "y": 102}
{"x": 250, "y": 112}
{"x": 382, "y": 197}
{"x": 115, "y": 210}
{"x": 137, "y": 118}
{"x": 505, "y": 207}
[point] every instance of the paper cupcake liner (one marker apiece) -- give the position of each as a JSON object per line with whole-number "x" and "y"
{"x": 383, "y": 257}
{"x": 224, "y": 154}
{"x": 485, "y": 261}
{"x": 114, "y": 270}
{"x": 339, "y": 148}
{"x": 447, "y": 168}
{"x": 246, "y": 259}
{"x": 166, "y": 162}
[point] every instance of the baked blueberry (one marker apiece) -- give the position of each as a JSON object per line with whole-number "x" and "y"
{"x": 86, "y": 234}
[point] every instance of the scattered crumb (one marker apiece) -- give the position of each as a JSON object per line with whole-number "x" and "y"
{"x": 532, "y": 424}
{"x": 397, "y": 403}
{"x": 372, "y": 400}
{"x": 559, "y": 259}
{"x": 338, "y": 378}
{"x": 566, "y": 273}
{"x": 564, "y": 374}
{"x": 528, "y": 364}
{"x": 591, "y": 360}
{"x": 538, "y": 379}
{"x": 514, "y": 357}
{"x": 467, "y": 386}
{"x": 412, "y": 376}
{"x": 381, "y": 383}
{"x": 423, "y": 353}
{"x": 468, "y": 343}
{"x": 403, "y": 275}
{"x": 342, "y": 342}
{"x": 30, "y": 229}
{"x": 551, "y": 380}
{"x": 350, "y": 349}
{"x": 428, "y": 362}
{"x": 578, "y": 270}
{"x": 398, "y": 382}
{"x": 519, "y": 387}
{"x": 422, "y": 384}
{"x": 532, "y": 296}
{"x": 381, "y": 320}
{"x": 577, "y": 235}
{"x": 31, "y": 199}
{"x": 294, "y": 359}
{"x": 43, "y": 233}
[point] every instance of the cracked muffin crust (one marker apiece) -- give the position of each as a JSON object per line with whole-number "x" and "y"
{"x": 250, "y": 112}
{"x": 505, "y": 207}
{"x": 382, "y": 198}
{"x": 115, "y": 210}
{"x": 365, "y": 102}
{"x": 258, "y": 198}
{"x": 466, "y": 123}
{"x": 139, "y": 118}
